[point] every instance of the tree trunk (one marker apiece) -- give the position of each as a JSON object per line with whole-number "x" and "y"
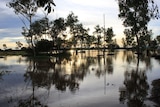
{"x": 138, "y": 45}
{"x": 33, "y": 48}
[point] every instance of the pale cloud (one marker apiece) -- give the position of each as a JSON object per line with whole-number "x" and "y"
{"x": 11, "y": 42}
{"x": 10, "y": 32}
{"x": 95, "y": 3}
{"x": 5, "y": 10}
{"x": 90, "y": 12}
{"x": 10, "y": 36}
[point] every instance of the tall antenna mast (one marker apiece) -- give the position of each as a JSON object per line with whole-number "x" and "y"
{"x": 104, "y": 25}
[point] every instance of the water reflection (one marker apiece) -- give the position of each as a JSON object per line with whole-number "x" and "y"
{"x": 135, "y": 89}
{"x": 3, "y": 71}
{"x": 46, "y": 72}
{"x": 155, "y": 95}
{"x": 129, "y": 57}
{"x": 86, "y": 75}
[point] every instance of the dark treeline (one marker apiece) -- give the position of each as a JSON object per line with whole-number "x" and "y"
{"x": 46, "y": 35}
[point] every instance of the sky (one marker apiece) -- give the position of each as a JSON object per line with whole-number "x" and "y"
{"x": 90, "y": 13}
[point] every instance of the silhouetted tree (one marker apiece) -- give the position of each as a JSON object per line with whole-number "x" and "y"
{"x": 136, "y": 15}
{"x": 19, "y": 44}
{"x": 71, "y": 23}
{"x": 81, "y": 33}
{"x": 97, "y": 33}
{"x": 58, "y": 36}
{"x": 130, "y": 42}
{"x": 27, "y": 9}
{"x": 46, "y": 4}
{"x": 43, "y": 46}
{"x": 109, "y": 35}
{"x": 158, "y": 39}
{"x": 39, "y": 29}
{"x": 90, "y": 39}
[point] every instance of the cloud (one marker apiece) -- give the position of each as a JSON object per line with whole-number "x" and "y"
{"x": 8, "y": 18}
{"x": 11, "y": 42}
{"x": 95, "y": 3}
{"x": 10, "y": 32}
{"x": 10, "y": 36}
{"x": 89, "y": 12}
{"x": 6, "y": 11}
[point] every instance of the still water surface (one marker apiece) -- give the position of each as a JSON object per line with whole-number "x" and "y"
{"x": 90, "y": 79}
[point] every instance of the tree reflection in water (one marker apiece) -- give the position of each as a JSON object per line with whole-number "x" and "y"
{"x": 155, "y": 92}
{"x": 52, "y": 74}
{"x": 105, "y": 63}
{"x": 135, "y": 89}
{"x": 3, "y": 71}
{"x": 60, "y": 72}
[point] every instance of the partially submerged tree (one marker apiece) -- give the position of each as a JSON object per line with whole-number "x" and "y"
{"x": 27, "y": 9}
{"x": 81, "y": 33}
{"x": 98, "y": 34}
{"x": 109, "y": 34}
{"x": 43, "y": 46}
{"x": 57, "y": 28}
{"x": 90, "y": 39}
{"x": 71, "y": 23}
{"x": 136, "y": 15}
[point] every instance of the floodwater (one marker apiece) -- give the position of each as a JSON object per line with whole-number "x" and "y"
{"x": 84, "y": 79}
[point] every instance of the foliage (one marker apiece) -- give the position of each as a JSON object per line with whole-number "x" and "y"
{"x": 72, "y": 24}
{"x": 37, "y": 31}
{"x": 158, "y": 39}
{"x": 19, "y": 44}
{"x": 39, "y": 27}
{"x": 71, "y": 20}
{"x": 19, "y": 4}
{"x": 44, "y": 46}
{"x": 90, "y": 39}
{"x": 4, "y": 46}
{"x": 130, "y": 41}
{"x": 58, "y": 27}
{"x": 136, "y": 15}
{"x": 109, "y": 35}
{"x": 28, "y": 9}
{"x": 97, "y": 33}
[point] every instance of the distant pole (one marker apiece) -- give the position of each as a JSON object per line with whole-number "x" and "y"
{"x": 104, "y": 26}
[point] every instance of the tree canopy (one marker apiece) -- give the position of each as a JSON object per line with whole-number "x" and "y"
{"x": 19, "y": 4}
{"x": 136, "y": 15}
